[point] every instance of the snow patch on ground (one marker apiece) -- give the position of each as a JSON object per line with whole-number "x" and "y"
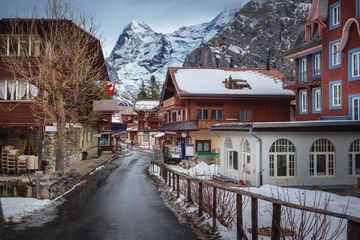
{"x": 202, "y": 170}
{"x": 16, "y": 209}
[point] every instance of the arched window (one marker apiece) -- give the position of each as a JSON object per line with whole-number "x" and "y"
{"x": 231, "y": 155}
{"x": 245, "y": 151}
{"x": 322, "y": 158}
{"x": 282, "y": 159}
{"x": 354, "y": 158}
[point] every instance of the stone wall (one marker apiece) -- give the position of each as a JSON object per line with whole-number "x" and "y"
{"x": 72, "y": 147}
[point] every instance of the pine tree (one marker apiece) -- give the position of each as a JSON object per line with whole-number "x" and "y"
{"x": 142, "y": 95}
{"x": 154, "y": 88}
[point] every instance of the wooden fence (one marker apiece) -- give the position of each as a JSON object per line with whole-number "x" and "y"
{"x": 172, "y": 179}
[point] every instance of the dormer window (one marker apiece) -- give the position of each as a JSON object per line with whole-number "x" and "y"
{"x": 236, "y": 83}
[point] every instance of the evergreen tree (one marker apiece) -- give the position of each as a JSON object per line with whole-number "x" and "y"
{"x": 154, "y": 88}
{"x": 142, "y": 95}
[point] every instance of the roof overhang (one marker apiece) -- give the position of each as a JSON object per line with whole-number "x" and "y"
{"x": 304, "y": 52}
{"x": 179, "y": 126}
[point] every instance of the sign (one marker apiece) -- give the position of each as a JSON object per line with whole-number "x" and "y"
{"x": 50, "y": 129}
{"x": 189, "y": 150}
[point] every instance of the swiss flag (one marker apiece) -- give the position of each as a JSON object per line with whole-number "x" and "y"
{"x": 111, "y": 88}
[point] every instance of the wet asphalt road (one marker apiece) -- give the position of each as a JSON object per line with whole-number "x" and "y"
{"x": 118, "y": 203}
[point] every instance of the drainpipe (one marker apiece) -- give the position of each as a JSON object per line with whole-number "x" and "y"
{"x": 261, "y": 158}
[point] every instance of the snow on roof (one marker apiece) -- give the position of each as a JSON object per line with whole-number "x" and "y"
{"x": 211, "y": 81}
{"x": 146, "y": 105}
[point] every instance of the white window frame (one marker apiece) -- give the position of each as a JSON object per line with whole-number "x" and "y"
{"x": 303, "y": 70}
{"x": 355, "y": 64}
{"x": 336, "y": 14}
{"x": 335, "y": 54}
{"x": 281, "y": 147}
{"x": 353, "y": 105}
{"x": 317, "y": 100}
{"x": 322, "y": 147}
{"x": 353, "y": 151}
{"x": 336, "y": 95}
{"x": 317, "y": 65}
{"x": 304, "y": 101}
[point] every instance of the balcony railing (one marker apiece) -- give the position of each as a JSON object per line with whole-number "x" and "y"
{"x": 173, "y": 102}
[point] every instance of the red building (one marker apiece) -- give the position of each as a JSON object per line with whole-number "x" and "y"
{"x": 327, "y": 58}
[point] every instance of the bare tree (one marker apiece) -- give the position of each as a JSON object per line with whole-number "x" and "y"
{"x": 64, "y": 61}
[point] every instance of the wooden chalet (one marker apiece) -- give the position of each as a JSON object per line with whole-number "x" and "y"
{"x": 19, "y": 126}
{"x": 148, "y": 121}
{"x": 193, "y": 99}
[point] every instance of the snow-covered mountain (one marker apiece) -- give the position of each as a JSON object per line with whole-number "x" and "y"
{"x": 258, "y": 26}
{"x": 141, "y": 52}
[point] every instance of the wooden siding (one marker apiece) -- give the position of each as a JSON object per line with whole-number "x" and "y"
{"x": 17, "y": 114}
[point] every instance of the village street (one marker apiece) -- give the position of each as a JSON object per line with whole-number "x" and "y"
{"x": 119, "y": 202}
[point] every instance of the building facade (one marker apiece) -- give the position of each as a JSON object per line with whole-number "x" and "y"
{"x": 327, "y": 56}
{"x": 194, "y": 99}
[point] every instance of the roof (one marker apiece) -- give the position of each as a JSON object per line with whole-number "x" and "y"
{"x": 106, "y": 106}
{"x": 179, "y": 126}
{"x": 192, "y": 82}
{"x": 146, "y": 105}
{"x": 312, "y": 126}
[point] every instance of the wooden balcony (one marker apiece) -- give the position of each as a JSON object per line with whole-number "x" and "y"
{"x": 173, "y": 102}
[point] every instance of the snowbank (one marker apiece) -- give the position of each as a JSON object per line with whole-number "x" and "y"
{"x": 201, "y": 170}
{"x": 16, "y": 209}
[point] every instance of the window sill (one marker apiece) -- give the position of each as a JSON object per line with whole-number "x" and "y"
{"x": 15, "y": 101}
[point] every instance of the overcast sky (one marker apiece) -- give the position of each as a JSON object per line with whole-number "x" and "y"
{"x": 113, "y": 15}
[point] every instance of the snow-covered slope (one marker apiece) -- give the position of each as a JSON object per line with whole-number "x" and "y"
{"x": 141, "y": 52}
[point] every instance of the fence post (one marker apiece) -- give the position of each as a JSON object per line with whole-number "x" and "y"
{"x": 200, "y": 199}
{"x": 173, "y": 175}
{"x": 239, "y": 217}
{"x": 165, "y": 174}
{"x": 214, "y": 209}
{"x": 275, "y": 228}
{"x": 353, "y": 230}
{"x": 188, "y": 190}
{"x": 254, "y": 218}
{"x": 177, "y": 186}
{"x": 169, "y": 182}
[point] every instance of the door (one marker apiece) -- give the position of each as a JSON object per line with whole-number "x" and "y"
{"x": 356, "y": 108}
{"x": 321, "y": 164}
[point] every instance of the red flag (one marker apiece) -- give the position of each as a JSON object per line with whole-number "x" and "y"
{"x": 111, "y": 88}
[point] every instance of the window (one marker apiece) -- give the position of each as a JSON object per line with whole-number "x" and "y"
{"x": 316, "y": 100}
{"x": 231, "y": 156}
{"x": 354, "y": 101}
{"x": 322, "y": 158}
{"x": 203, "y": 145}
{"x": 303, "y": 101}
{"x": 358, "y": 8}
{"x": 354, "y": 158}
{"x": 19, "y": 45}
{"x": 335, "y": 95}
{"x": 202, "y": 114}
{"x": 245, "y": 115}
{"x": 282, "y": 159}
{"x": 303, "y": 70}
{"x": 216, "y": 114}
{"x": 17, "y": 90}
{"x": 354, "y": 64}
{"x": 245, "y": 157}
{"x": 335, "y": 15}
{"x": 316, "y": 65}
{"x": 105, "y": 140}
{"x": 334, "y": 54}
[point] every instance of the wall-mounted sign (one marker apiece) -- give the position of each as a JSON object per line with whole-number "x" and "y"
{"x": 50, "y": 129}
